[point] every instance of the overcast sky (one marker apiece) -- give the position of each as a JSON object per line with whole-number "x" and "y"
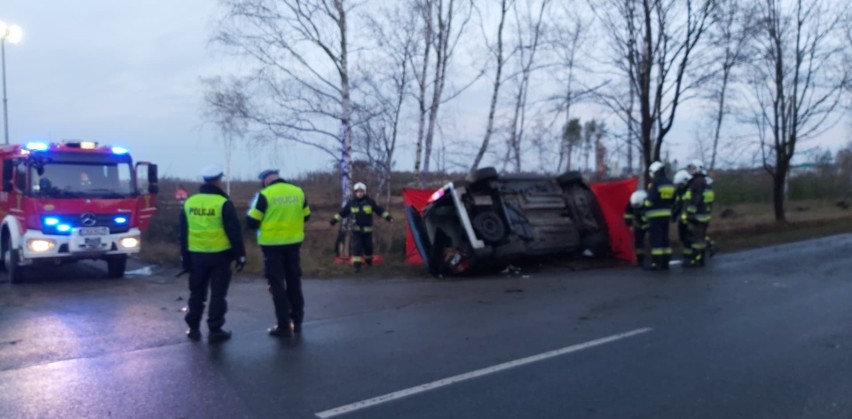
{"x": 129, "y": 73}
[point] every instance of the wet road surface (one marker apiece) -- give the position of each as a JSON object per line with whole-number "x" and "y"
{"x": 764, "y": 333}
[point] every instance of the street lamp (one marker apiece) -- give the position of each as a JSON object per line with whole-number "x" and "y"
{"x": 13, "y": 34}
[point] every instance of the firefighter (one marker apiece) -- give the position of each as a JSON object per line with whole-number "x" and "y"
{"x": 711, "y": 197}
{"x": 658, "y": 210}
{"x": 634, "y": 216}
{"x": 278, "y": 213}
{"x": 362, "y": 207}
{"x": 681, "y": 178}
{"x": 210, "y": 240}
{"x": 698, "y": 201}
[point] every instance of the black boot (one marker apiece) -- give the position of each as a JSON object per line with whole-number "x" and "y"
{"x": 218, "y": 335}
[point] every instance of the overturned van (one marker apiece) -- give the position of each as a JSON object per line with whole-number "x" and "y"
{"x": 487, "y": 221}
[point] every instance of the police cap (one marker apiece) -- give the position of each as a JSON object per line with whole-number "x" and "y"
{"x": 266, "y": 173}
{"x": 212, "y": 173}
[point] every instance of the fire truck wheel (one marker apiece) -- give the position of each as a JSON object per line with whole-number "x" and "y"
{"x": 116, "y": 266}
{"x": 13, "y": 267}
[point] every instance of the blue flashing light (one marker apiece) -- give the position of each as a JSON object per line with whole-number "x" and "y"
{"x": 51, "y": 221}
{"x": 120, "y": 220}
{"x": 37, "y": 146}
{"x": 120, "y": 150}
{"x": 64, "y": 228}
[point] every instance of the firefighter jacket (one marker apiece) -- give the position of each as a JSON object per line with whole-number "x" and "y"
{"x": 661, "y": 195}
{"x": 279, "y": 212}
{"x": 635, "y": 217}
{"x": 362, "y": 209}
{"x": 678, "y": 206}
{"x": 209, "y": 224}
{"x": 698, "y": 200}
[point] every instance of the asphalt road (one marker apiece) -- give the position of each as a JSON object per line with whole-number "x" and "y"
{"x": 759, "y": 334}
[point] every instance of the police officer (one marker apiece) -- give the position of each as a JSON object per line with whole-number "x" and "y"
{"x": 362, "y": 207}
{"x": 684, "y": 233}
{"x": 658, "y": 211}
{"x": 698, "y": 200}
{"x": 278, "y": 213}
{"x": 634, "y": 216}
{"x": 210, "y": 239}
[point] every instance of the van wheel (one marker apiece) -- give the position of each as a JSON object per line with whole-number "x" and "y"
{"x": 489, "y": 225}
{"x": 116, "y": 266}
{"x": 13, "y": 266}
{"x": 569, "y": 177}
{"x": 482, "y": 175}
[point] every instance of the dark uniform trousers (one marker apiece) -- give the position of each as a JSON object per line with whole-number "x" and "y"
{"x": 661, "y": 250}
{"x": 639, "y": 234}
{"x": 687, "y": 237}
{"x": 211, "y": 270}
{"x": 362, "y": 245}
{"x": 699, "y": 243}
{"x": 284, "y": 274}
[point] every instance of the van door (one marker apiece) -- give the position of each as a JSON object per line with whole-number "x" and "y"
{"x": 147, "y": 186}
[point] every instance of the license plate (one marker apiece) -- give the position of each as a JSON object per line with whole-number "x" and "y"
{"x": 94, "y": 231}
{"x": 93, "y": 242}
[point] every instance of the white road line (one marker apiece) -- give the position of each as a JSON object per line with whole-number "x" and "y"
{"x": 474, "y": 374}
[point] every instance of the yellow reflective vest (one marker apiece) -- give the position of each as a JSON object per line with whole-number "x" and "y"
{"x": 282, "y": 222}
{"x": 204, "y": 222}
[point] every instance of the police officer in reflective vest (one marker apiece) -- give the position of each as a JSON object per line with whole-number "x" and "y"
{"x": 658, "y": 211}
{"x": 684, "y": 233}
{"x": 634, "y": 216}
{"x": 210, "y": 238}
{"x": 362, "y": 207}
{"x": 278, "y": 213}
{"x": 699, "y": 201}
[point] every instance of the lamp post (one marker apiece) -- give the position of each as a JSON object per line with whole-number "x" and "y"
{"x": 13, "y": 34}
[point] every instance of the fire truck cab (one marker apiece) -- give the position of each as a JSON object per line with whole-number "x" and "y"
{"x": 70, "y": 201}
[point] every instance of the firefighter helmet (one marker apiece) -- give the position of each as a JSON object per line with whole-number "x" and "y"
{"x": 696, "y": 165}
{"x": 360, "y": 187}
{"x": 637, "y": 199}
{"x": 681, "y": 177}
{"x": 655, "y": 167}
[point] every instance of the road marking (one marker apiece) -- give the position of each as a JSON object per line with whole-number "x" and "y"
{"x": 474, "y": 374}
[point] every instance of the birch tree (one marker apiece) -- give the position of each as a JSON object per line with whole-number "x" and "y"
{"x": 300, "y": 89}
{"x": 497, "y": 51}
{"x": 530, "y": 27}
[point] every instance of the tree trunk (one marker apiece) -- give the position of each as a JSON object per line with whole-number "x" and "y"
{"x": 489, "y": 128}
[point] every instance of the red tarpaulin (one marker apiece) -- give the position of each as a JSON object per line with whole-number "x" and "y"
{"x": 612, "y": 198}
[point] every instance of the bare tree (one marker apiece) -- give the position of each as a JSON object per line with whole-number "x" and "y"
{"x": 565, "y": 41}
{"x": 530, "y": 29}
{"x": 732, "y": 29}
{"x": 301, "y": 85}
{"x": 394, "y": 32}
{"x": 498, "y": 81}
{"x": 443, "y": 26}
{"x": 226, "y": 106}
{"x": 655, "y": 43}
{"x": 796, "y": 81}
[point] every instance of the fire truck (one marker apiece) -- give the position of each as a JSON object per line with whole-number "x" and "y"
{"x": 70, "y": 201}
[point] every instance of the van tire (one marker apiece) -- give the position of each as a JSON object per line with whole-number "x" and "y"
{"x": 14, "y": 268}
{"x": 482, "y": 175}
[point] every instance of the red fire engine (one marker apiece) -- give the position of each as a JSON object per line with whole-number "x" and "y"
{"x": 69, "y": 201}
